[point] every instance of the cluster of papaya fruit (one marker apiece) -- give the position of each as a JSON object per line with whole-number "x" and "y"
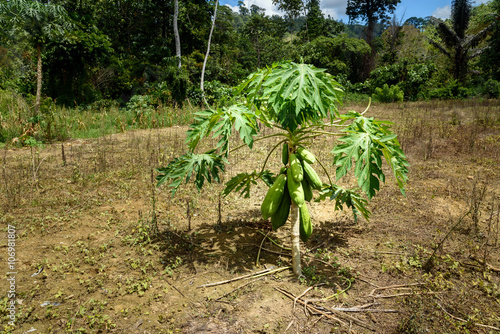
{"x": 295, "y": 182}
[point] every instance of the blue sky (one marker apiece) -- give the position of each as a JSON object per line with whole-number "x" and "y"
{"x": 336, "y": 8}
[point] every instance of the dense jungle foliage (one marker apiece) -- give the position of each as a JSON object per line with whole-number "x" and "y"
{"x": 122, "y": 54}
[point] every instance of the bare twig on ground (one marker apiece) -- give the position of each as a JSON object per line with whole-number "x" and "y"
{"x": 367, "y": 282}
{"x": 399, "y": 286}
{"x": 312, "y": 308}
{"x": 251, "y": 275}
{"x": 405, "y": 294}
{"x": 430, "y": 261}
{"x": 372, "y": 310}
{"x": 173, "y": 286}
{"x": 236, "y": 289}
{"x": 274, "y": 242}
{"x": 301, "y": 295}
{"x": 260, "y": 248}
{"x": 318, "y": 310}
{"x": 463, "y": 320}
{"x": 489, "y": 266}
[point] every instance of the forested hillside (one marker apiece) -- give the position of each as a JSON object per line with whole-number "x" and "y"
{"x": 107, "y": 52}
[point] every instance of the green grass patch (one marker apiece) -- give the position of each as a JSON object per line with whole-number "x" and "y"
{"x": 58, "y": 123}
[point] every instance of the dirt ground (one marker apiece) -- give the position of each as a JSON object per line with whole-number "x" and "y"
{"x": 100, "y": 249}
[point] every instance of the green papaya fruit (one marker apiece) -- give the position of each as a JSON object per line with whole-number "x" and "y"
{"x": 273, "y": 197}
{"x": 280, "y": 217}
{"x": 296, "y": 167}
{"x": 308, "y": 194}
{"x": 311, "y": 176}
{"x": 295, "y": 189}
{"x": 284, "y": 154}
{"x": 306, "y": 227}
{"x": 305, "y": 155}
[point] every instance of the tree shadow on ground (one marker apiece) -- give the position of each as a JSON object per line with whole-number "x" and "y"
{"x": 235, "y": 244}
{"x": 231, "y": 243}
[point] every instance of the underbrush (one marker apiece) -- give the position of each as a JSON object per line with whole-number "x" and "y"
{"x": 18, "y": 123}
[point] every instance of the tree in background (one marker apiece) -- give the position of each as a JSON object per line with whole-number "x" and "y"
{"x": 38, "y": 23}
{"x": 261, "y": 39}
{"x": 72, "y": 65}
{"x": 456, "y": 44}
{"x": 372, "y": 11}
{"x": 292, "y": 8}
{"x": 490, "y": 59}
{"x": 417, "y": 22}
{"x": 208, "y": 51}
{"x": 392, "y": 38}
{"x": 176, "y": 33}
{"x": 342, "y": 56}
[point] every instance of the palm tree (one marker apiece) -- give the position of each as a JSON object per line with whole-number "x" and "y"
{"x": 458, "y": 46}
{"x": 38, "y": 23}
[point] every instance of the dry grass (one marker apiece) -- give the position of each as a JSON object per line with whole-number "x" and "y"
{"x": 88, "y": 220}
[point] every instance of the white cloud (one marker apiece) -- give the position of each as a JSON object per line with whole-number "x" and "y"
{"x": 267, "y": 5}
{"x": 334, "y": 8}
{"x": 442, "y": 12}
{"x": 233, "y": 8}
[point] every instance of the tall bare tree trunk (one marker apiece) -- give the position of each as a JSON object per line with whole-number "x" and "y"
{"x": 208, "y": 51}
{"x": 295, "y": 239}
{"x": 176, "y": 33}
{"x": 38, "y": 79}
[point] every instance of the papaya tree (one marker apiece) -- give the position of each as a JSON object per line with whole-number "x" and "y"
{"x": 300, "y": 102}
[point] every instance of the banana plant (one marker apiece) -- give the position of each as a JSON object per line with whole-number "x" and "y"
{"x": 301, "y": 103}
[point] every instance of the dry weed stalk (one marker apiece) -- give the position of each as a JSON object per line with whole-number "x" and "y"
{"x": 475, "y": 201}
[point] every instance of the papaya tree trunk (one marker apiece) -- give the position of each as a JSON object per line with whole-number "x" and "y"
{"x": 295, "y": 238}
{"x": 176, "y": 34}
{"x": 38, "y": 79}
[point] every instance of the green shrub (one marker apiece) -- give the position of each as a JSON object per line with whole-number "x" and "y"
{"x": 195, "y": 95}
{"x": 52, "y": 122}
{"x": 388, "y": 94}
{"x": 390, "y": 75}
{"x": 451, "y": 90}
{"x": 140, "y": 110}
{"x": 215, "y": 91}
{"x": 409, "y": 78}
{"x": 491, "y": 89}
{"x": 416, "y": 77}
{"x": 160, "y": 93}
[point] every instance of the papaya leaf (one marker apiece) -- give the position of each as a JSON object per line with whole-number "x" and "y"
{"x": 204, "y": 123}
{"x": 243, "y": 182}
{"x": 294, "y": 94}
{"x": 365, "y": 143}
{"x": 220, "y": 123}
{"x": 244, "y": 122}
{"x": 351, "y": 198}
{"x": 203, "y": 167}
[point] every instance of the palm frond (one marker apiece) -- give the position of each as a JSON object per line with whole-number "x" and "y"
{"x": 477, "y": 53}
{"x": 439, "y": 47}
{"x": 460, "y": 16}
{"x": 472, "y": 41}
{"x": 448, "y": 36}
